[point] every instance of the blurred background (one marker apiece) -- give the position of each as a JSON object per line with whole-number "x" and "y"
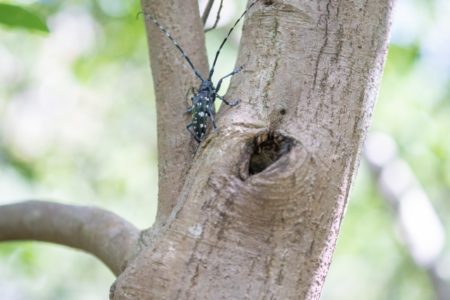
{"x": 78, "y": 125}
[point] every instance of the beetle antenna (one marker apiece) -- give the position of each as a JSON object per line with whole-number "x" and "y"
{"x": 211, "y": 72}
{"x": 164, "y": 30}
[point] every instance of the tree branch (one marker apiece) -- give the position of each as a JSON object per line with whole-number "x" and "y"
{"x": 217, "y": 18}
{"x": 99, "y": 232}
{"x": 172, "y": 78}
{"x": 207, "y": 11}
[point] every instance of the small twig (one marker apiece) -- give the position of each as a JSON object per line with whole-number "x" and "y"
{"x": 207, "y": 11}
{"x": 217, "y": 17}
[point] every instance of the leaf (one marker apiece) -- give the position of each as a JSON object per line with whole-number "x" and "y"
{"x": 17, "y": 16}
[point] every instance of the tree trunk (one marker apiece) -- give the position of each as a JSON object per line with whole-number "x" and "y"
{"x": 260, "y": 208}
{"x": 254, "y": 211}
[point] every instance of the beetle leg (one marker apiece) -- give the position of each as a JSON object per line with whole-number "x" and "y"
{"x": 235, "y": 71}
{"x": 233, "y": 103}
{"x": 193, "y": 133}
{"x": 193, "y": 91}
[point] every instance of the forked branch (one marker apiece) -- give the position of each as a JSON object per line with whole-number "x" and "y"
{"x": 217, "y": 16}
{"x": 99, "y": 232}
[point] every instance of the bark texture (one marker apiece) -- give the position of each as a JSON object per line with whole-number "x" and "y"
{"x": 99, "y": 232}
{"x": 255, "y": 210}
{"x": 258, "y": 213}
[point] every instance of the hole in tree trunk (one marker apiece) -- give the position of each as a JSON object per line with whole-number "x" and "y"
{"x": 267, "y": 149}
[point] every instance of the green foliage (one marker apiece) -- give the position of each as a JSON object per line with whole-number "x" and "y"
{"x": 369, "y": 262}
{"x": 21, "y": 17}
{"x": 404, "y": 58}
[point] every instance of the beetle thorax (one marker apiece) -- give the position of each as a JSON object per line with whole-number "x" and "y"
{"x": 206, "y": 86}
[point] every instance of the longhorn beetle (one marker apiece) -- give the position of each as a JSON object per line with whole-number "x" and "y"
{"x": 203, "y": 98}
